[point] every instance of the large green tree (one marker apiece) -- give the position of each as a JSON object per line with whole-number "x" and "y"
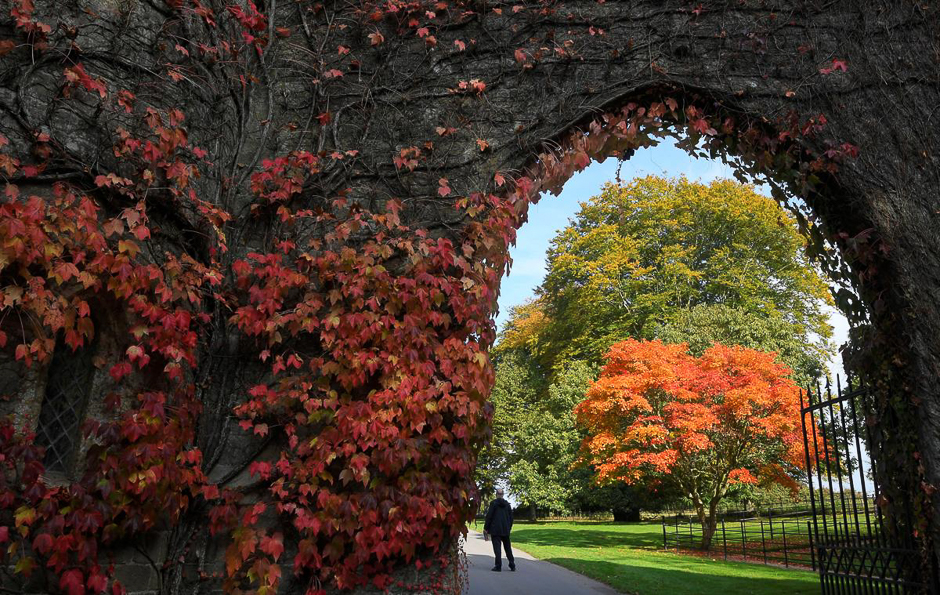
{"x": 535, "y": 440}
{"x": 706, "y": 324}
{"x": 639, "y": 256}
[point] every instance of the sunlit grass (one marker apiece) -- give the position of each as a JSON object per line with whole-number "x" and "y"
{"x": 630, "y": 558}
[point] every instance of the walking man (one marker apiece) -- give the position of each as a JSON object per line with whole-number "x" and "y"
{"x": 498, "y": 525}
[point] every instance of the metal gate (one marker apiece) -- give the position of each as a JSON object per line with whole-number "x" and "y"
{"x": 858, "y": 548}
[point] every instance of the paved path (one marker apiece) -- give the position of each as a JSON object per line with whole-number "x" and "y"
{"x": 532, "y": 577}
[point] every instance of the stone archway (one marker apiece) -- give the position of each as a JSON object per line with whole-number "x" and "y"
{"x": 409, "y": 110}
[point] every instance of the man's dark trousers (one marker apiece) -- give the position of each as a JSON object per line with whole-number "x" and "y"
{"x": 503, "y": 540}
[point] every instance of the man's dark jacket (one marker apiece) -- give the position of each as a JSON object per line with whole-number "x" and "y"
{"x": 498, "y": 518}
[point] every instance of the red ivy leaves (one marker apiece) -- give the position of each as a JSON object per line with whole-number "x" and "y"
{"x": 254, "y": 24}
{"x": 22, "y": 13}
{"x": 407, "y": 158}
{"x": 72, "y": 582}
{"x": 375, "y": 334}
{"x": 76, "y": 76}
{"x": 472, "y": 86}
{"x": 273, "y": 545}
{"x": 837, "y": 65}
{"x": 140, "y": 466}
{"x": 371, "y": 326}
{"x": 443, "y": 187}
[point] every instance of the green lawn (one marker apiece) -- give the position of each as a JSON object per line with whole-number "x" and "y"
{"x": 629, "y": 557}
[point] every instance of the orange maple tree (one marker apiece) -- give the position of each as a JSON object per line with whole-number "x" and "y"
{"x": 704, "y": 423}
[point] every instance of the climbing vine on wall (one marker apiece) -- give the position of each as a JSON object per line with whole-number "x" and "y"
{"x": 366, "y": 307}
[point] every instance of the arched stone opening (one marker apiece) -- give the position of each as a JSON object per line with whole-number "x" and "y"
{"x": 367, "y": 107}
{"x": 839, "y": 236}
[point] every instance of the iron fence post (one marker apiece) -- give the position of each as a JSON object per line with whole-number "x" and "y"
{"x": 763, "y": 542}
{"x": 665, "y": 542}
{"x": 743, "y": 540}
{"x": 812, "y": 545}
{"x": 724, "y": 537}
{"x": 677, "y": 534}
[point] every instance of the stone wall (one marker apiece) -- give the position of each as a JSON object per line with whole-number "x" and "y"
{"x": 763, "y": 61}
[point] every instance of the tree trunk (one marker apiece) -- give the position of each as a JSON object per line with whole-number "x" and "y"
{"x": 708, "y": 532}
{"x": 708, "y": 519}
{"x": 627, "y": 515}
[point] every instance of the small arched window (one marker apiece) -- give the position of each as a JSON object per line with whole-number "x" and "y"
{"x": 68, "y": 383}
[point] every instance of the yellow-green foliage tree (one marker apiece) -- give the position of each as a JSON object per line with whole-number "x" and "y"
{"x": 639, "y": 256}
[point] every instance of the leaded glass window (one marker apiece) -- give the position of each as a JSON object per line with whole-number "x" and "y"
{"x": 63, "y": 407}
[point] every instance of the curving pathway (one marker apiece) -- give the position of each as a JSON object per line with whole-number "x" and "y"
{"x": 532, "y": 577}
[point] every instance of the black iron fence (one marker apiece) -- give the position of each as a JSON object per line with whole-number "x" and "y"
{"x": 841, "y": 530}
{"x": 738, "y": 508}
{"x": 780, "y": 535}
{"x": 783, "y": 539}
{"x": 856, "y": 547}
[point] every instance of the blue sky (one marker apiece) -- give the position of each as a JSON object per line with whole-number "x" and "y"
{"x": 552, "y": 213}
